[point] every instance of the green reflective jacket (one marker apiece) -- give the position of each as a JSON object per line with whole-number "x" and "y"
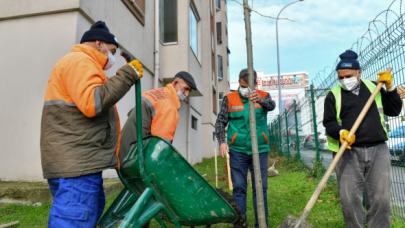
{"x": 238, "y": 136}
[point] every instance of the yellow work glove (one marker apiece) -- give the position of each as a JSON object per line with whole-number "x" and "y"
{"x": 137, "y": 66}
{"x": 344, "y": 136}
{"x": 386, "y": 78}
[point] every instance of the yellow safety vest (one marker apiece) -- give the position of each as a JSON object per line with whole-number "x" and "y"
{"x": 333, "y": 144}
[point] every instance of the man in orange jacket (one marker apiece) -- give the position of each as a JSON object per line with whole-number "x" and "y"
{"x": 80, "y": 129}
{"x": 160, "y": 111}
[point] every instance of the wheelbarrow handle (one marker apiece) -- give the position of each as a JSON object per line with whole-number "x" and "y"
{"x": 138, "y": 104}
{"x": 127, "y": 56}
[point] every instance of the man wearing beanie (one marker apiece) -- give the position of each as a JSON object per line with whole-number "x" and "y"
{"x": 236, "y": 141}
{"x": 80, "y": 130}
{"x": 363, "y": 173}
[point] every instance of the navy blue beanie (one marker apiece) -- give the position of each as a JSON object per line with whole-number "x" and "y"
{"x": 348, "y": 60}
{"x": 99, "y": 31}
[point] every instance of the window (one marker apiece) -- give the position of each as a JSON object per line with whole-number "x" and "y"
{"x": 168, "y": 21}
{"x": 193, "y": 122}
{"x": 214, "y": 101}
{"x": 193, "y": 28}
{"x": 221, "y": 95}
{"x": 220, "y": 98}
{"x": 137, "y": 8}
{"x": 218, "y": 4}
{"x": 220, "y": 68}
{"x": 219, "y": 33}
{"x": 228, "y": 53}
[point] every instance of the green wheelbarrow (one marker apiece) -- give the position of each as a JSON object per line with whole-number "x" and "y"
{"x": 160, "y": 184}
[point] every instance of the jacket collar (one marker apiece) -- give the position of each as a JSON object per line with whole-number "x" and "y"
{"x": 173, "y": 95}
{"x": 91, "y": 52}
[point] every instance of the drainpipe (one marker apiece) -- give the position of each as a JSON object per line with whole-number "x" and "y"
{"x": 188, "y": 136}
{"x": 157, "y": 44}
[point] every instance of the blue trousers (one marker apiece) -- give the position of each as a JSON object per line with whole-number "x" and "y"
{"x": 77, "y": 201}
{"x": 240, "y": 164}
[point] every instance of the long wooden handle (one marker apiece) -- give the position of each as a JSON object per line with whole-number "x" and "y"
{"x": 339, "y": 154}
{"x": 228, "y": 171}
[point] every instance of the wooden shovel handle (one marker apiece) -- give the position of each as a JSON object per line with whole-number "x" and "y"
{"x": 228, "y": 171}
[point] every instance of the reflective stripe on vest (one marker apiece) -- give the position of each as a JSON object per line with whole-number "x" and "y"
{"x": 333, "y": 144}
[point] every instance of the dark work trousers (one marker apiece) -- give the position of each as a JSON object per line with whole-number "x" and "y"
{"x": 365, "y": 170}
{"x": 240, "y": 164}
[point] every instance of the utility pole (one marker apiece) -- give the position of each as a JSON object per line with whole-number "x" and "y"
{"x": 252, "y": 120}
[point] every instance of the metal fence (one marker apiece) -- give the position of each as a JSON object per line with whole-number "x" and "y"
{"x": 298, "y": 133}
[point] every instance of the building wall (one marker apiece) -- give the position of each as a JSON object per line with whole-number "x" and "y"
{"x": 26, "y": 62}
{"x": 36, "y": 33}
{"x": 222, "y": 49}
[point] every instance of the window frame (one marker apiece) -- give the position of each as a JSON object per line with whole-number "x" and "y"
{"x": 194, "y": 122}
{"x": 220, "y": 67}
{"x": 219, "y": 32}
{"x": 161, "y": 21}
{"x": 193, "y": 14}
{"x": 136, "y": 9}
{"x": 218, "y": 5}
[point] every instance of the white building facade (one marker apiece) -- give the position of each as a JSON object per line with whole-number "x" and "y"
{"x": 166, "y": 35}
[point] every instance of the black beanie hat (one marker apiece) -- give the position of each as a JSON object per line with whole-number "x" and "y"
{"x": 99, "y": 31}
{"x": 348, "y": 60}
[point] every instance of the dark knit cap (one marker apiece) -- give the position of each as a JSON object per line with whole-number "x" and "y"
{"x": 99, "y": 31}
{"x": 244, "y": 74}
{"x": 348, "y": 60}
{"x": 188, "y": 78}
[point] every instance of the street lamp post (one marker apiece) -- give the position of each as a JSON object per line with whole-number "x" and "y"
{"x": 278, "y": 55}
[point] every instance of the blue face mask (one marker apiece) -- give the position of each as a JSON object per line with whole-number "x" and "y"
{"x": 181, "y": 95}
{"x": 110, "y": 61}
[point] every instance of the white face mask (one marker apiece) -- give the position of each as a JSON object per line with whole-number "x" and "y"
{"x": 349, "y": 83}
{"x": 181, "y": 95}
{"x": 244, "y": 91}
{"x": 110, "y": 61}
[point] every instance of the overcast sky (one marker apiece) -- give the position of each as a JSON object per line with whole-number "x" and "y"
{"x": 322, "y": 29}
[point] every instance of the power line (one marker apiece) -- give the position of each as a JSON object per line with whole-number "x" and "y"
{"x": 261, "y": 14}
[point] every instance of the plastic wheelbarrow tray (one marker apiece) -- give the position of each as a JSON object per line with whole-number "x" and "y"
{"x": 160, "y": 184}
{"x": 168, "y": 188}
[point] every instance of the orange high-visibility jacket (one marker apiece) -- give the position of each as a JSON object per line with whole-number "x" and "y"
{"x": 80, "y": 127}
{"x": 160, "y": 116}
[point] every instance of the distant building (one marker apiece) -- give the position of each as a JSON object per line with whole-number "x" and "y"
{"x": 166, "y": 35}
{"x": 293, "y": 86}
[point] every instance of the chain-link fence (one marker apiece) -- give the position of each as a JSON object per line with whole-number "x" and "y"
{"x": 298, "y": 132}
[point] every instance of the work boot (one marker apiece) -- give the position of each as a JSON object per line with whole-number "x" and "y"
{"x": 241, "y": 222}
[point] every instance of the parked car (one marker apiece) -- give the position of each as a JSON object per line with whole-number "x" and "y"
{"x": 309, "y": 141}
{"x": 396, "y": 143}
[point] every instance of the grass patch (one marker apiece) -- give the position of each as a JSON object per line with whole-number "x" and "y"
{"x": 288, "y": 193}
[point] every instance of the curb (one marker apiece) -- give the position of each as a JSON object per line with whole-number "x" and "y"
{"x": 15, "y": 192}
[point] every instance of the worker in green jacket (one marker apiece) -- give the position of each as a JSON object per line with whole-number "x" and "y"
{"x": 235, "y": 114}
